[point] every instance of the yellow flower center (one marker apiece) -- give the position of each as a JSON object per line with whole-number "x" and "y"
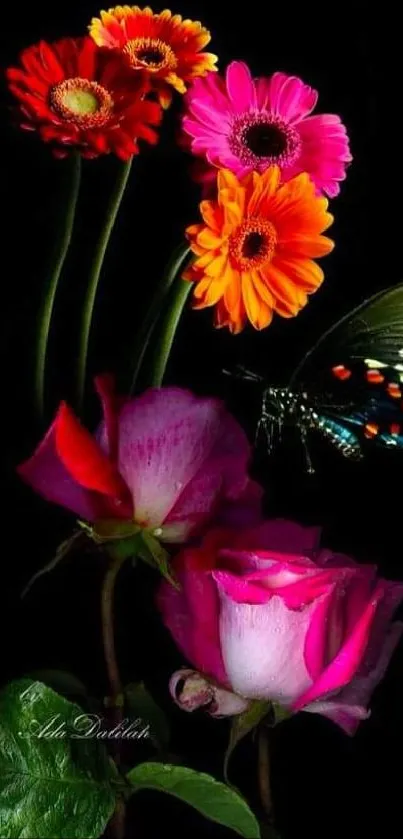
{"x": 150, "y": 54}
{"x": 253, "y": 243}
{"x": 85, "y": 103}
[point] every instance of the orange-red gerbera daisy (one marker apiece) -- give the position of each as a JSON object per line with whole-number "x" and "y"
{"x": 256, "y": 246}
{"x": 163, "y": 47}
{"x": 77, "y": 97}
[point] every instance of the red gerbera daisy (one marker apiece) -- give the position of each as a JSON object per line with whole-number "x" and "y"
{"x": 77, "y": 97}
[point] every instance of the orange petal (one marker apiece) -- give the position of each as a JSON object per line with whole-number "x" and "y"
{"x": 207, "y": 239}
{"x": 282, "y": 288}
{"x": 301, "y": 244}
{"x": 211, "y": 215}
{"x": 259, "y": 313}
{"x": 217, "y": 267}
{"x": 262, "y": 288}
{"x": 264, "y": 186}
{"x": 305, "y": 273}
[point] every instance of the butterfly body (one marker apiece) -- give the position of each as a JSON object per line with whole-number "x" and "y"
{"x": 349, "y": 387}
{"x": 284, "y": 408}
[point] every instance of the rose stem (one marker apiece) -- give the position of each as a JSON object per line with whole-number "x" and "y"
{"x": 108, "y": 635}
{"x": 264, "y": 770}
{"x": 151, "y": 316}
{"x": 48, "y": 302}
{"x": 168, "y": 331}
{"x": 95, "y": 273}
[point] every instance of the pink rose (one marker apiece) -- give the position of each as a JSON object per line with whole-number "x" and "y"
{"x": 267, "y": 614}
{"x": 167, "y": 460}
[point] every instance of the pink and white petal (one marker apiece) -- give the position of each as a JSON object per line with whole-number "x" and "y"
{"x": 262, "y": 648}
{"x": 196, "y": 503}
{"x": 191, "y": 615}
{"x": 240, "y": 87}
{"x": 289, "y": 98}
{"x": 347, "y": 717}
{"x": 45, "y": 473}
{"x": 349, "y": 706}
{"x": 349, "y": 658}
{"x": 165, "y": 436}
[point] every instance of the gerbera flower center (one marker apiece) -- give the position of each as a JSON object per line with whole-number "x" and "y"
{"x": 260, "y": 140}
{"x": 252, "y": 243}
{"x": 85, "y": 103}
{"x": 150, "y": 54}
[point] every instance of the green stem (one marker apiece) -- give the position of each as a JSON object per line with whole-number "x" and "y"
{"x": 146, "y": 330}
{"x": 45, "y": 316}
{"x": 89, "y": 302}
{"x": 264, "y": 771}
{"x": 168, "y": 331}
{"x": 108, "y": 633}
{"x": 115, "y": 684}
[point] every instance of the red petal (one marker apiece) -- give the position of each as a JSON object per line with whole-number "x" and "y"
{"x": 83, "y": 458}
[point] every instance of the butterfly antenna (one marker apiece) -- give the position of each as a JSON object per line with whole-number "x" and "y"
{"x": 243, "y": 373}
{"x": 309, "y": 465}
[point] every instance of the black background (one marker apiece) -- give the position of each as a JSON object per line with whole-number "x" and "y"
{"x": 324, "y": 783}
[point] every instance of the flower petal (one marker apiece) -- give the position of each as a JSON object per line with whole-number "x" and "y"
{"x": 240, "y": 86}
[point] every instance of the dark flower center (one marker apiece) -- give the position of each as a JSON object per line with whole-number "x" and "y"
{"x": 150, "y": 56}
{"x": 150, "y": 53}
{"x": 265, "y": 140}
{"x": 254, "y": 244}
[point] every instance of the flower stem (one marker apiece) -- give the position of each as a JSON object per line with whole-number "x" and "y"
{"x": 146, "y": 330}
{"x": 168, "y": 330}
{"x": 264, "y": 771}
{"x": 89, "y": 302}
{"x": 115, "y": 685}
{"x": 108, "y": 634}
{"x": 48, "y": 302}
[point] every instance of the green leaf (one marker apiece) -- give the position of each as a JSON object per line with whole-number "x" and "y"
{"x": 243, "y": 724}
{"x": 62, "y": 551}
{"x": 52, "y": 781}
{"x": 152, "y": 552}
{"x": 213, "y": 799}
{"x": 62, "y": 682}
{"x": 141, "y": 704}
{"x": 107, "y": 530}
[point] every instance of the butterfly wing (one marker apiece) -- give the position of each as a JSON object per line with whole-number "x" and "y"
{"x": 354, "y": 373}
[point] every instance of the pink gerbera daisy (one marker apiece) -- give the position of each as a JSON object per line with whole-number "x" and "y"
{"x": 246, "y": 124}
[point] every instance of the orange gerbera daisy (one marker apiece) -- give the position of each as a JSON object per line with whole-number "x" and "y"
{"x": 165, "y": 48}
{"x": 256, "y": 247}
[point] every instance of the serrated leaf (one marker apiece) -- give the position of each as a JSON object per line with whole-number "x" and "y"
{"x": 141, "y": 704}
{"x": 62, "y": 551}
{"x": 211, "y": 798}
{"x": 50, "y": 786}
{"x": 243, "y": 724}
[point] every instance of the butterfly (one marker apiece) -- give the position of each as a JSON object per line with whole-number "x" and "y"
{"x": 349, "y": 387}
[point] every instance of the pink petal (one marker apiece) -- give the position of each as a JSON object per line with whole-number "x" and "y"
{"x": 288, "y": 97}
{"x": 45, "y": 473}
{"x": 191, "y": 614}
{"x": 349, "y": 706}
{"x": 243, "y": 511}
{"x": 345, "y": 664}
{"x": 240, "y": 87}
{"x": 260, "y": 586}
{"x": 168, "y": 437}
{"x": 262, "y": 648}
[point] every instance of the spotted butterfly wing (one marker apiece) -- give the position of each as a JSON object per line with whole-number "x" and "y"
{"x": 354, "y": 373}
